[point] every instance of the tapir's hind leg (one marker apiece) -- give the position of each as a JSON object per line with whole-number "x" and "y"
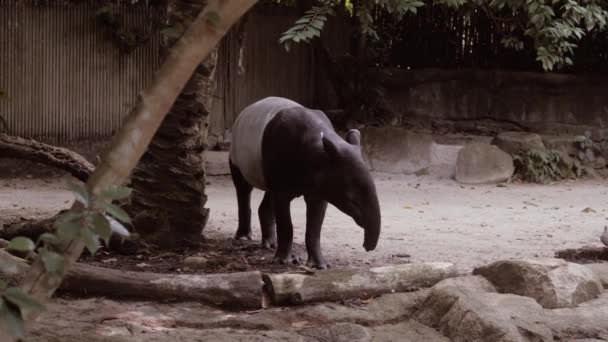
{"x": 243, "y": 196}
{"x": 267, "y": 222}
{"x": 284, "y": 253}
{"x": 315, "y": 214}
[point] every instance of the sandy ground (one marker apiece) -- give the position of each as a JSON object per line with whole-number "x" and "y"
{"x": 424, "y": 218}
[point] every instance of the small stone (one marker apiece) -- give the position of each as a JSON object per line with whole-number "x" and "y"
{"x": 515, "y": 142}
{"x": 196, "y": 263}
{"x": 3, "y": 243}
{"x": 339, "y": 332}
{"x": 588, "y": 210}
{"x": 142, "y": 265}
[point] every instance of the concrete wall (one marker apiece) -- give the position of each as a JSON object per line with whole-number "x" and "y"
{"x": 538, "y": 101}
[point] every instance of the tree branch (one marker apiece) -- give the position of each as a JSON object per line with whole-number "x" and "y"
{"x": 58, "y": 157}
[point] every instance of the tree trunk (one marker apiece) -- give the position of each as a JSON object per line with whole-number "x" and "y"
{"x": 242, "y": 290}
{"x": 58, "y": 157}
{"x": 169, "y": 197}
{"x": 336, "y": 285}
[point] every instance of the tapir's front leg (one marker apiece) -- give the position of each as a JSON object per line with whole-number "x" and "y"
{"x": 243, "y": 196}
{"x": 282, "y": 204}
{"x": 315, "y": 214}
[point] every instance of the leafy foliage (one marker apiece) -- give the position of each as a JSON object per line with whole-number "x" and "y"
{"x": 541, "y": 166}
{"x": 97, "y": 218}
{"x": 552, "y": 26}
{"x": 126, "y": 39}
{"x": 309, "y": 26}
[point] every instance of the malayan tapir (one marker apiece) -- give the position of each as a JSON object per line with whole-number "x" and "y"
{"x": 288, "y": 150}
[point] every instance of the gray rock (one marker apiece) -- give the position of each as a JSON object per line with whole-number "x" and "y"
{"x": 196, "y": 263}
{"x": 339, "y": 332}
{"x": 562, "y": 143}
{"x": 471, "y": 282}
{"x": 515, "y": 142}
{"x": 588, "y": 320}
{"x": 553, "y": 283}
{"x": 601, "y": 271}
{"x": 480, "y": 163}
{"x": 4, "y": 243}
{"x": 406, "y": 331}
{"x": 468, "y": 314}
{"x": 396, "y": 150}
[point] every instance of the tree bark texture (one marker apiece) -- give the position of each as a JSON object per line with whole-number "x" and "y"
{"x": 168, "y": 184}
{"x": 336, "y": 285}
{"x": 131, "y": 141}
{"x": 58, "y": 157}
{"x": 242, "y": 290}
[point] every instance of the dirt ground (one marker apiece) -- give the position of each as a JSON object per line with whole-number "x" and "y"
{"x": 424, "y": 218}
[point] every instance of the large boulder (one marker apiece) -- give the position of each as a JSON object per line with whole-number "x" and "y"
{"x": 587, "y": 320}
{"x": 515, "y": 142}
{"x": 480, "y": 163}
{"x": 562, "y": 143}
{"x": 396, "y": 150}
{"x": 553, "y": 283}
{"x": 462, "y": 311}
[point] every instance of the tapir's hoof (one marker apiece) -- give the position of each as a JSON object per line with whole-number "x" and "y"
{"x": 288, "y": 260}
{"x": 269, "y": 243}
{"x": 319, "y": 265}
{"x": 242, "y": 237}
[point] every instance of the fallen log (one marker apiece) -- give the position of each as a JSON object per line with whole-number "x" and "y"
{"x": 335, "y": 285}
{"x": 58, "y": 157}
{"x": 30, "y": 229}
{"x": 241, "y": 290}
{"x": 34, "y": 228}
{"x": 583, "y": 254}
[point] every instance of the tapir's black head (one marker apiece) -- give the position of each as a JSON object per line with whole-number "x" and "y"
{"x": 347, "y": 184}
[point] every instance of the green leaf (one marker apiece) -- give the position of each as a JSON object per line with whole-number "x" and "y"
{"x": 12, "y": 319}
{"x": 18, "y": 297}
{"x": 69, "y": 226}
{"x": 118, "y": 213}
{"x": 21, "y": 244}
{"x": 115, "y": 192}
{"x": 48, "y": 238}
{"x": 102, "y": 227}
{"x": 52, "y": 261}
{"x": 213, "y": 18}
{"x": 91, "y": 240}
{"x": 79, "y": 190}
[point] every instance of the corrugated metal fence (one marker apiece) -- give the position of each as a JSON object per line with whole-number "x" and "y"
{"x": 265, "y": 68}
{"x": 64, "y": 80}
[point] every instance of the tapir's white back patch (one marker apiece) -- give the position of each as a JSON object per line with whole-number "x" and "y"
{"x": 247, "y": 134}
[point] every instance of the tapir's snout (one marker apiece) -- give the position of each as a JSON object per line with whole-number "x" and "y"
{"x": 371, "y": 225}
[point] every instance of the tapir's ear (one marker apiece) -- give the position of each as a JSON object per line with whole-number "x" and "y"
{"x": 329, "y": 146}
{"x": 353, "y": 137}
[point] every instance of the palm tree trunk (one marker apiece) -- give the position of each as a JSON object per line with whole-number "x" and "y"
{"x": 168, "y": 184}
